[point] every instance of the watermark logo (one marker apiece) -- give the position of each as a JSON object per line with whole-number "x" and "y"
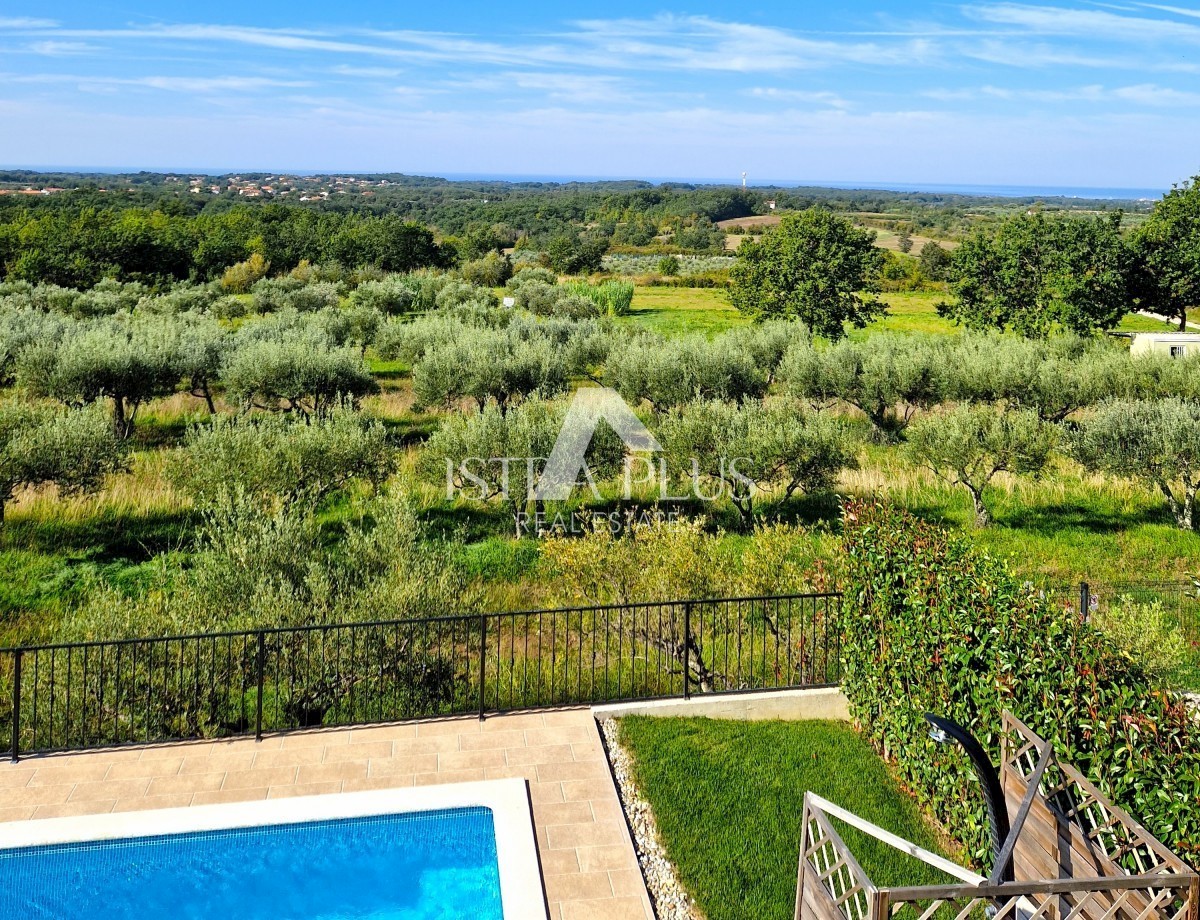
{"x": 555, "y": 478}
{"x": 568, "y": 460}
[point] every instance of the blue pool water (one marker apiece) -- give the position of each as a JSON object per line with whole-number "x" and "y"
{"x": 437, "y": 865}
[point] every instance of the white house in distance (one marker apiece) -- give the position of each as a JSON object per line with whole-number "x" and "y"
{"x": 1175, "y": 344}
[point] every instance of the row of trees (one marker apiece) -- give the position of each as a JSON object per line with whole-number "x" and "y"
{"x": 1032, "y": 273}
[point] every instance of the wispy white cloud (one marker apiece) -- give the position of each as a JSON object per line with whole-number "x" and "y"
{"x": 61, "y": 49}
{"x": 26, "y": 22}
{"x": 1139, "y": 95}
{"x": 196, "y": 85}
{"x": 777, "y": 94}
{"x": 1088, "y": 24}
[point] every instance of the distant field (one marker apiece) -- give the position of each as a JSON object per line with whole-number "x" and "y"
{"x": 672, "y": 311}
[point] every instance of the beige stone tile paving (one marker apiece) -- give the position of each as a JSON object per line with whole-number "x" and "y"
{"x": 588, "y": 863}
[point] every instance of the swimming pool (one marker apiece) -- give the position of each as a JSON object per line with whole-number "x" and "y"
{"x": 332, "y": 857}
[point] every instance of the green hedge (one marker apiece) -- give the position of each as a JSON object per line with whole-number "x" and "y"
{"x": 932, "y": 623}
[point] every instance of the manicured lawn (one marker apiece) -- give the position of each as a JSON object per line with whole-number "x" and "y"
{"x": 728, "y": 798}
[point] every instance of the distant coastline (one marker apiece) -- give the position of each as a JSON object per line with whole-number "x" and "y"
{"x": 995, "y": 190}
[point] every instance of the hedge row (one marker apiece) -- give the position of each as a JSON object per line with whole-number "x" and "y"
{"x": 933, "y": 624}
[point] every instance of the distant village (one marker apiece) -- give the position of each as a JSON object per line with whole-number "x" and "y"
{"x": 296, "y": 188}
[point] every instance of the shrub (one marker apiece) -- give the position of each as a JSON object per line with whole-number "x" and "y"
{"x": 493, "y": 270}
{"x": 933, "y": 624}
{"x": 1147, "y": 633}
{"x": 669, "y": 266}
{"x": 256, "y": 570}
{"x": 242, "y": 276}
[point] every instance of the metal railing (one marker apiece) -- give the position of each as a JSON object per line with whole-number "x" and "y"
{"x": 1180, "y": 599}
{"x": 92, "y": 694}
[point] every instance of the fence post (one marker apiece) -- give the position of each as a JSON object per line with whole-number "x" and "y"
{"x": 16, "y": 716}
{"x": 687, "y": 650}
{"x": 262, "y": 658}
{"x": 1085, "y": 601}
{"x": 482, "y": 662}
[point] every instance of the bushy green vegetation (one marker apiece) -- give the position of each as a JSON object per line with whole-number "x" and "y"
{"x": 931, "y": 624}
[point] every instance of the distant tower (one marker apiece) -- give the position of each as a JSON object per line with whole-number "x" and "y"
{"x": 743, "y": 180}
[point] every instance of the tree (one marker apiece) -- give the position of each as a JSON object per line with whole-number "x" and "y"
{"x": 276, "y": 459}
{"x": 120, "y": 359}
{"x": 1054, "y": 377}
{"x": 934, "y": 261}
{"x": 1034, "y": 274}
{"x": 1157, "y": 441}
{"x": 671, "y": 372}
{"x": 295, "y": 375}
{"x": 815, "y": 266}
{"x": 202, "y": 344}
{"x": 1167, "y": 248}
{"x": 494, "y": 455}
{"x": 905, "y": 242}
{"x": 570, "y": 254}
{"x": 969, "y": 445}
{"x": 489, "y": 366}
{"x": 74, "y": 449}
{"x": 889, "y": 377}
{"x": 743, "y": 450}
{"x": 491, "y": 270}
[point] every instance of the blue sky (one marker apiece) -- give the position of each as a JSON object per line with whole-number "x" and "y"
{"x": 1072, "y": 93}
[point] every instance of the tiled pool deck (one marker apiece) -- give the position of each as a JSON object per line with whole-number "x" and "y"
{"x": 588, "y": 863}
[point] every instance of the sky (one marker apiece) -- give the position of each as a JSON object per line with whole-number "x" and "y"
{"x": 1065, "y": 94}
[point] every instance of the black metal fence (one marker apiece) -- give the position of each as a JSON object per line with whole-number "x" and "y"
{"x": 1180, "y": 600}
{"x": 75, "y": 696}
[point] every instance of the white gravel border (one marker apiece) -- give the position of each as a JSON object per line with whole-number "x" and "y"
{"x": 670, "y": 900}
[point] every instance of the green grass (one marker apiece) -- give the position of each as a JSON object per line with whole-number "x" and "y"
{"x": 677, "y": 310}
{"x": 728, "y": 799}
{"x": 914, "y": 311}
{"x": 1136, "y": 323}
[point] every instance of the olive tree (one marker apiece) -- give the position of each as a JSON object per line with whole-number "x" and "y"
{"x": 493, "y": 455}
{"x": 968, "y": 445}
{"x": 20, "y": 327}
{"x": 295, "y": 375}
{"x": 815, "y": 266}
{"x": 1157, "y": 441}
{"x": 75, "y": 449}
{"x": 1055, "y": 377}
{"x": 278, "y": 459}
{"x": 392, "y": 295}
{"x": 202, "y": 345}
{"x": 119, "y": 359}
{"x": 671, "y": 372}
{"x": 739, "y": 451}
{"x": 888, "y": 377}
{"x": 489, "y": 365}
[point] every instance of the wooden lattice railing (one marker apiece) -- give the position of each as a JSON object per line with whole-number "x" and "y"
{"x": 1075, "y": 856}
